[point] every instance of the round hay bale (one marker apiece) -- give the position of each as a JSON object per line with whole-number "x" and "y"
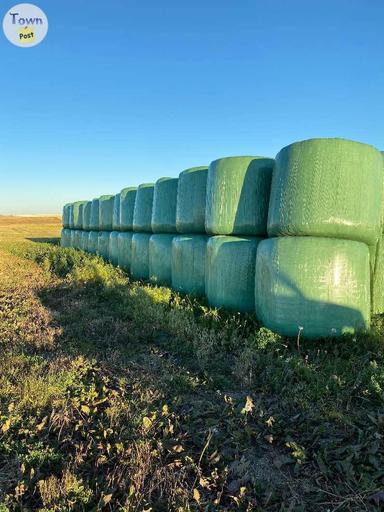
{"x": 124, "y": 251}
{"x": 238, "y": 191}
{"x": 319, "y": 287}
{"x": 65, "y": 240}
{"x": 95, "y": 214}
{"x": 142, "y": 213}
{"x": 327, "y": 188}
{"x": 127, "y": 205}
{"x": 191, "y": 198}
{"x": 72, "y": 238}
{"x": 77, "y": 239}
{"x": 230, "y": 272}
{"x": 93, "y": 240}
{"x": 84, "y": 240}
{"x": 160, "y": 258}
{"x": 87, "y": 215}
{"x": 78, "y": 214}
{"x": 164, "y": 206}
{"x": 66, "y": 215}
{"x": 377, "y": 291}
{"x": 116, "y": 213}
{"x": 106, "y": 212}
{"x": 70, "y": 216}
{"x": 140, "y": 256}
{"x": 188, "y": 264}
{"x": 113, "y": 247}
{"x": 103, "y": 245}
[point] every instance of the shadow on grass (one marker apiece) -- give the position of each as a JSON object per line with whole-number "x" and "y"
{"x": 45, "y": 240}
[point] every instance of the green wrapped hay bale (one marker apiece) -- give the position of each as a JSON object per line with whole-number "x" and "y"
{"x": 188, "y": 264}
{"x": 127, "y": 205}
{"x": 116, "y": 213}
{"x": 160, "y": 259}
{"x": 113, "y": 247}
{"x": 72, "y": 238}
{"x": 377, "y": 291}
{"x": 142, "y": 213}
{"x": 84, "y": 240}
{"x": 237, "y": 199}
{"x": 93, "y": 241}
{"x": 87, "y": 215}
{"x": 230, "y": 272}
{"x": 140, "y": 256}
{"x": 66, "y": 215}
{"x": 78, "y": 214}
{"x": 70, "y": 216}
{"x": 95, "y": 214}
{"x": 106, "y": 212}
{"x": 65, "y": 240}
{"x": 327, "y": 188}
{"x": 319, "y": 287}
{"x": 103, "y": 245}
{"x": 191, "y": 197}
{"x": 164, "y": 206}
{"x": 77, "y": 239}
{"x": 124, "y": 251}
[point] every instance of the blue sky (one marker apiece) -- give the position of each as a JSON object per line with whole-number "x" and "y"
{"x": 124, "y": 92}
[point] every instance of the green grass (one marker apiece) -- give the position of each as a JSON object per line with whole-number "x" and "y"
{"x": 118, "y": 395}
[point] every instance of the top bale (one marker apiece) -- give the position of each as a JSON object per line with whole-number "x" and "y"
{"x": 78, "y": 214}
{"x": 106, "y": 212}
{"x": 191, "y": 195}
{"x": 142, "y": 213}
{"x": 238, "y": 195}
{"x": 94, "y": 221}
{"x": 87, "y": 215}
{"x": 327, "y": 188}
{"x": 127, "y": 205}
{"x": 164, "y": 206}
{"x": 66, "y": 215}
{"x": 116, "y": 213}
{"x": 70, "y": 216}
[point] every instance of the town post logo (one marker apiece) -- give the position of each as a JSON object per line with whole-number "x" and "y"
{"x": 25, "y": 25}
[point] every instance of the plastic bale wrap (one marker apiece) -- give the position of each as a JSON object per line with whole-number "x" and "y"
{"x": 113, "y": 247}
{"x": 377, "y": 291}
{"x": 84, "y": 241}
{"x": 191, "y": 199}
{"x": 237, "y": 198}
{"x": 160, "y": 259}
{"x": 66, "y": 215}
{"x": 124, "y": 251}
{"x": 142, "y": 213}
{"x": 127, "y": 205}
{"x": 77, "y": 239}
{"x": 94, "y": 222}
{"x": 106, "y": 212}
{"x": 93, "y": 240}
{"x": 65, "y": 240}
{"x": 116, "y": 213}
{"x": 103, "y": 245}
{"x": 318, "y": 287}
{"x": 70, "y": 216}
{"x": 230, "y": 272}
{"x": 78, "y": 214}
{"x": 87, "y": 215}
{"x": 72, "y": 238}
{"x": 188, "y": 264}
{"x": 327, "y": 188}
{"x": 164, "y": 205}
{"x": 140, "y": 256}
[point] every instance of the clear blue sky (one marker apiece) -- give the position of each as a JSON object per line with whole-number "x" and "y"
{"x": 124, "y": 92}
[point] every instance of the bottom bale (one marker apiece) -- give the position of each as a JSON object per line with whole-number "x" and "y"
{"x": 93, "y": 240}
{"x": 188, "y": 264}
{"x": 160, "y": 257}
{"x": 65, "y": 240}
{"x": 113, "y": 247}
{"x": 319, "y": 287}
{"x": 230, "y": 272}
{"x": 124, "y": 250}
{"x": 103, "y": 244}
{"x": 377, "y": 292}
{"x": 140, "y": 256}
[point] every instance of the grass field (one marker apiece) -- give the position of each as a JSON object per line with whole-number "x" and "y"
{"x": 121, "y": 396}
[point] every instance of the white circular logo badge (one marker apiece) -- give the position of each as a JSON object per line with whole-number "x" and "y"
{"x": 25, "y": 25}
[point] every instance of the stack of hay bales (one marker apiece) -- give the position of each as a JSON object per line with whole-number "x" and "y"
{"x": 325, "y": 217}
{"x": 237, "y": 201}
{"x": 297, "y": 240}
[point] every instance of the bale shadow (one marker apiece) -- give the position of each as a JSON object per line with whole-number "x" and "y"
{"x": 45, "y": 240}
